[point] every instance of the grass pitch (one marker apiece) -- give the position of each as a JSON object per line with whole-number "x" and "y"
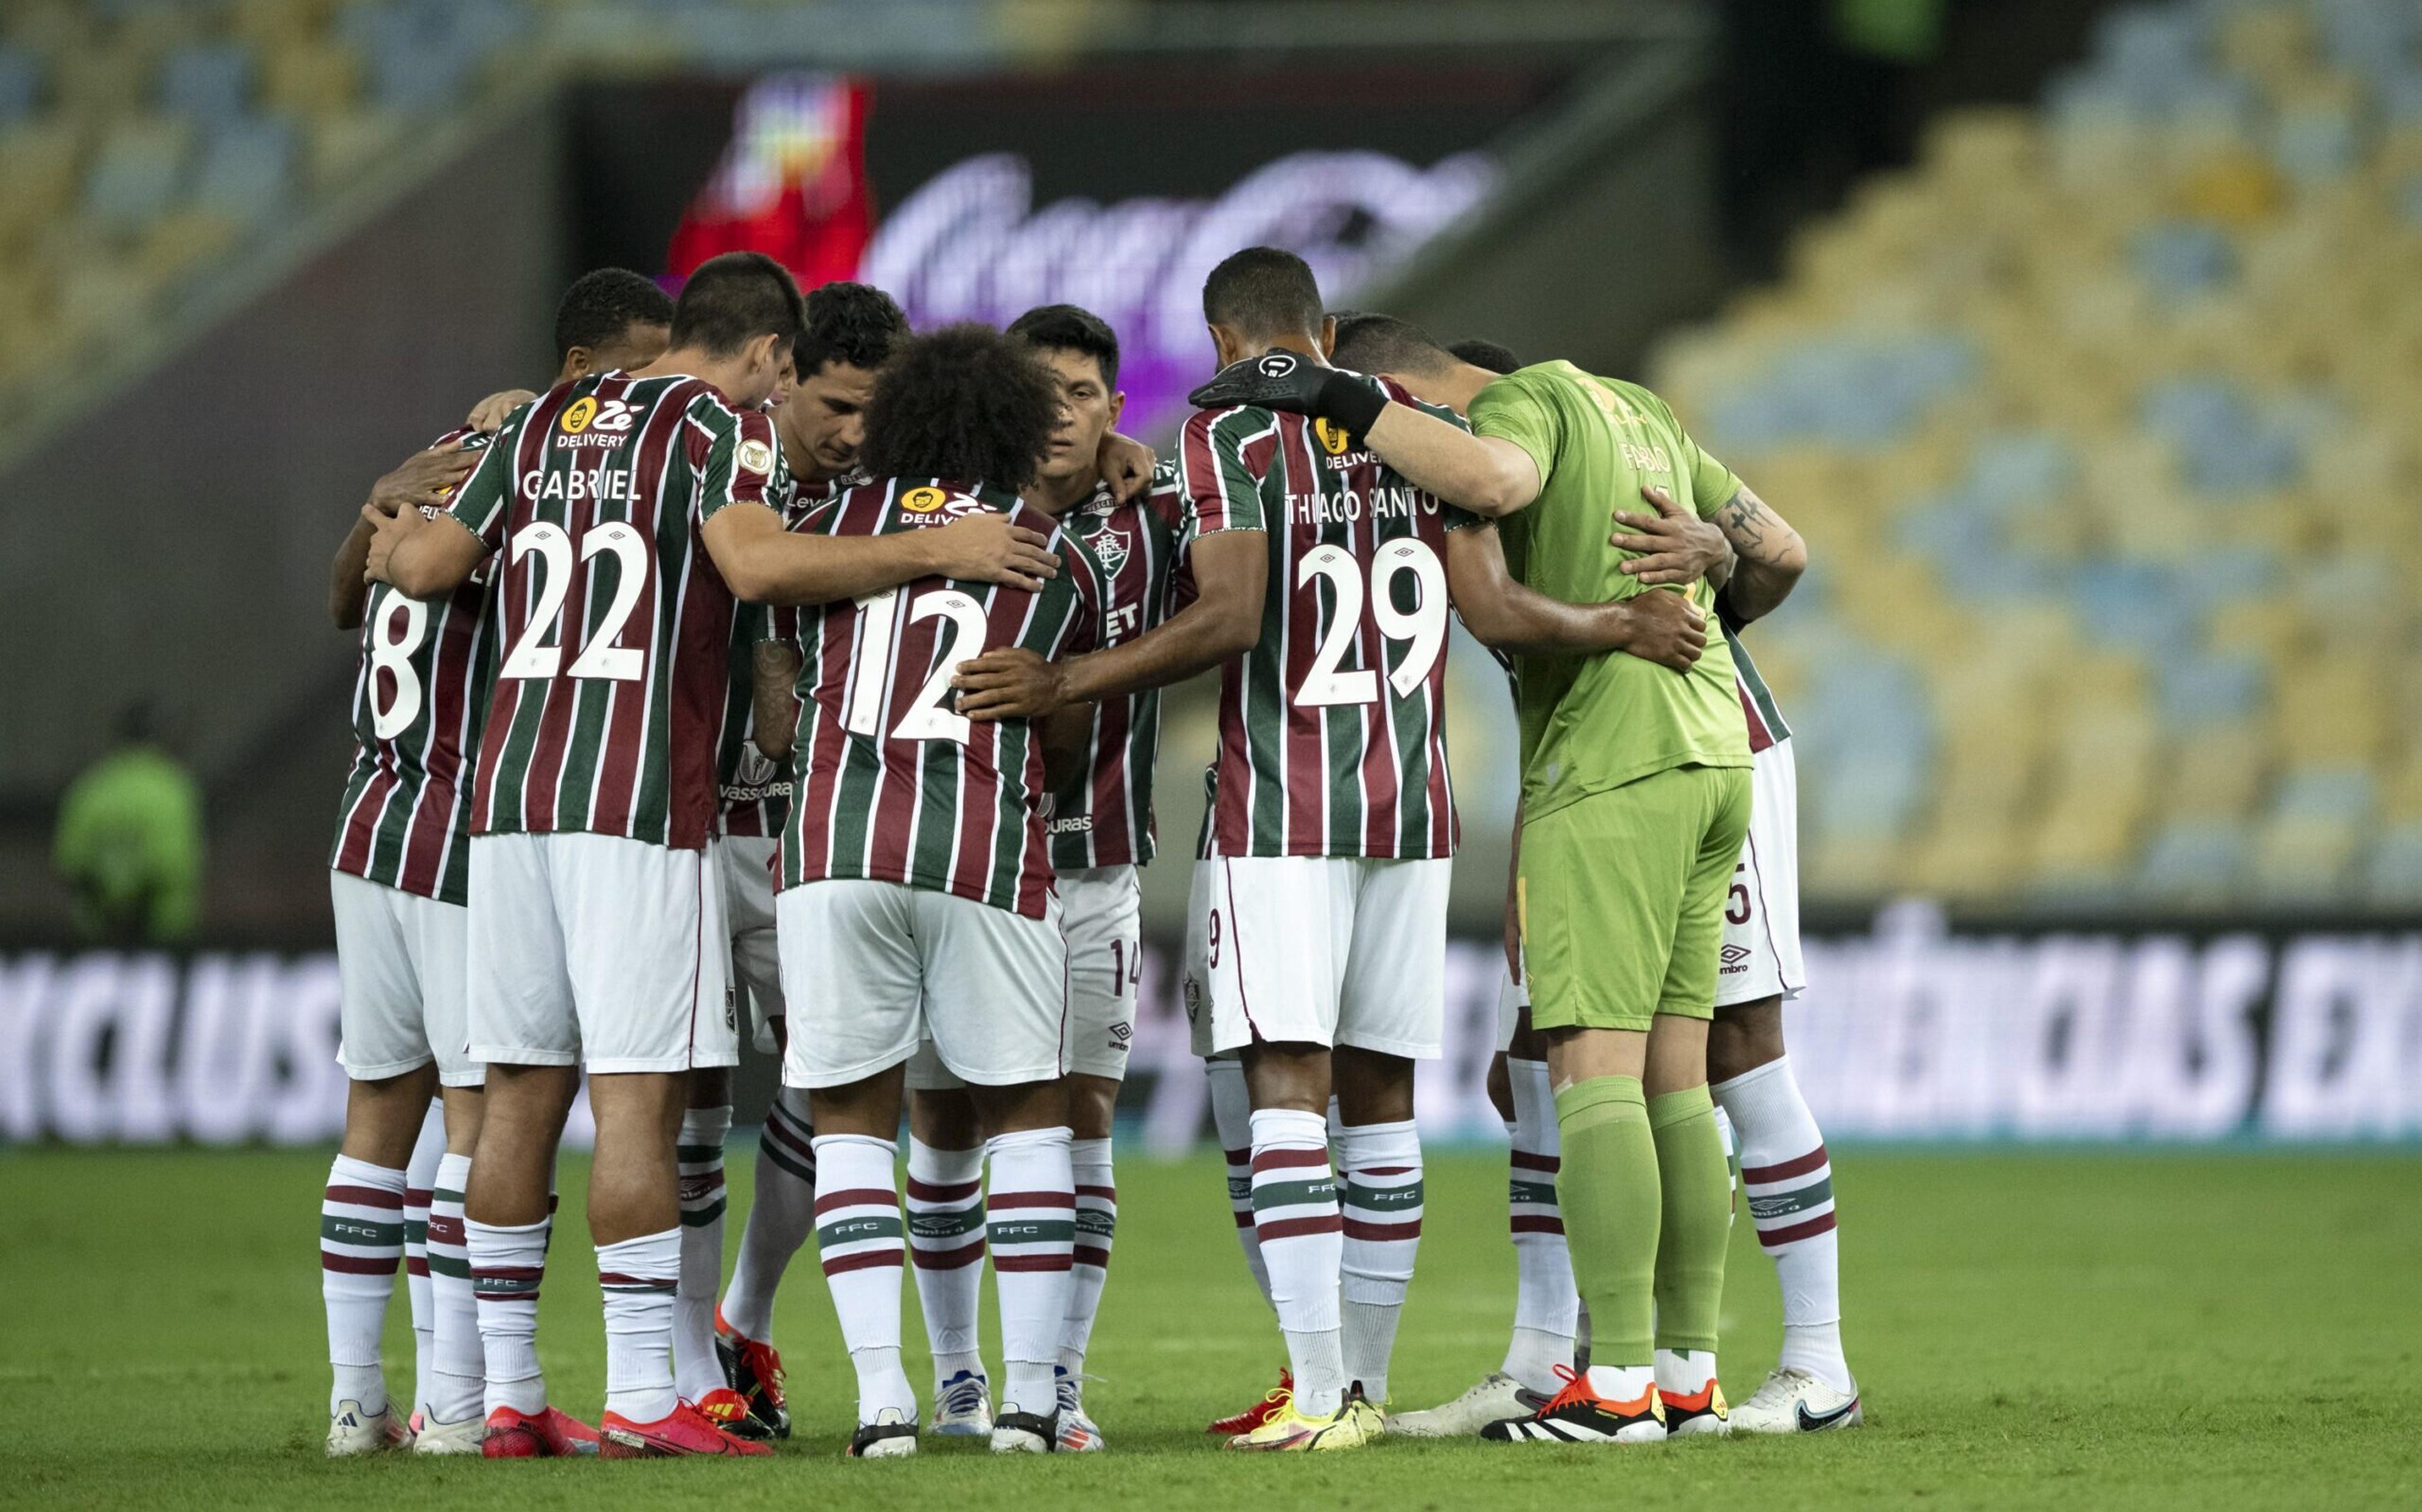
{"x": 2070, "y": 1329}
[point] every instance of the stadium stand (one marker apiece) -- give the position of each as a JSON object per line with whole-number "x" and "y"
{"x": 2104, "y": 414}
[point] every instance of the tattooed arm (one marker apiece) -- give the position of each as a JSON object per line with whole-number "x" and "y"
{"x": 1767, "y": 556}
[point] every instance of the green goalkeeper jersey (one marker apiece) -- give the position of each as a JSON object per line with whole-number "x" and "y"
{"x": 1592, "y": 723}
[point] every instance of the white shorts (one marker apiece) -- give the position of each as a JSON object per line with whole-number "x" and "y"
{"x": 1513, "y": 996}
{"x": 1324, "y": 950}
{"x": 744, "y": 864}
{"x": 401, "y": 975}
{"x": 1761, "y": 949}
{"x": 600, "y": 951}
{"x": 874, "y": 968}
{"x": 1102, "y": 920}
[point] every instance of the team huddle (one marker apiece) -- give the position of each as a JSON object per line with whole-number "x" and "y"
{"x": 778, "y": 652}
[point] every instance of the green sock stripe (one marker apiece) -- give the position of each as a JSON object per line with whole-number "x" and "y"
{"x": 1093, "y": 1222}
{"x": 441, "y": 1195}
{"x": 858, "y": 1230}
{"x": 441, "y": 1264}
{"x": 415, "y": 1231}
{"x": 1799, "y": 1199}
{"x": 698, "y": 1154}
{"x": 1268, "y": 1194}
{"x": 360, "y": 1233}
{"x": 949, "y": 1223}
{"x": 1384, "y": 1199}
{"x": 1033, "y": 1231}
{"x": 703, "y": 1216}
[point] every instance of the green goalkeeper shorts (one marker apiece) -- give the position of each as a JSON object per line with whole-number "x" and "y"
{"x": 1622, "y": 898}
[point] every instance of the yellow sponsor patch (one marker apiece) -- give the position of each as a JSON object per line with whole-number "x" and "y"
{"x": 1332, "y": 436}
{"x": 578, "y": 414}
{"x": 923, "y": 501}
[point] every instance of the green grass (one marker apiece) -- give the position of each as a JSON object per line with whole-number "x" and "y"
{"x": 2068, "y": 1330}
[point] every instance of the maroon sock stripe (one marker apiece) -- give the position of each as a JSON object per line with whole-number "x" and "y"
{"x": 1243, "y": 1157}
{"x": 1031, "y": 1262}
{"x": 1293, "y": 1228}
{"x": 1105, "y": 1193}
{"x": 1385, "y": 1169}
{"x": 1099, "y": 1258}
{"x": 999, "y": 1200}
{"x": 1382, "y": 1233}
{"x": 354, "y": 1265}
{"x": 958, "y": 1259}
{"x": 1244, "y": 1217}
{"x": 417, "y": 1265}
{"x": 1282, "y": 1160}
{"x": 1760, "y": 1174}
{"x": 1525, "y": 1161}
{"x": 863, "y": 1260}
{"x": 858, "y": 1197}
{"x": 415, "y": 1197}
{"x": 1774, "y": 1239}
{"x": 1537, "y": 1225}
{"x": 366, "y": 1198}
{"x": 945, "y": 1191}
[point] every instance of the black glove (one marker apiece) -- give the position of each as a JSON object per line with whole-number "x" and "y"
{"x": 1283, "y": 379}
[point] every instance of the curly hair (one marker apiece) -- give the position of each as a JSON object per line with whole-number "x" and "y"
{"x": 964, "y": 402}
{"x": 856, "y": 325}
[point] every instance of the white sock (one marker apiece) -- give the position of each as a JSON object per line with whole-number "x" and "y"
{"x": 1231, "y": 1116}
{"x": 1098, "y": 1226}
{"x": 459, "y": 1372}
{"x": 507, "y": 1263}
{"x": 639, "y": 1278}
{"x": 1789, "y": 1184}
{"x": 1623, "y": 1384}
{"x": 1382, "y": 1211}
{"x": 361, "y": 1243}
{"x": 700, "y": 1152}
{"x": 419, "y": 1178}
{"x": 1683, "y": 1372}
{"x": 946, "y": 1239}
{"x": 1032, "y": 1213}
{"x": 858, "y": 1232}
{"x": 1545, "y": 1306}
{"x": 781, "y": 1216}
{"x": 1296, "y": 1217}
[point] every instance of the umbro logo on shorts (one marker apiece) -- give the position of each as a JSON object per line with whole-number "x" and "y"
{"x": 1736, "y": 959}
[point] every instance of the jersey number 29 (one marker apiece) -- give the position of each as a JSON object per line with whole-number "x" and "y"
{"x": 1424, "y": 625}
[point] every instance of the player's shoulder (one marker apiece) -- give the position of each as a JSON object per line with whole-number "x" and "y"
{"x": 1231, "y": 428}
{"x": 1406, "y": 396}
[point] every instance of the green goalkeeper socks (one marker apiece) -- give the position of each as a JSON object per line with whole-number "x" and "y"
{"x": 1608, "y": 1190}
{"x": 1696, "y": 1193}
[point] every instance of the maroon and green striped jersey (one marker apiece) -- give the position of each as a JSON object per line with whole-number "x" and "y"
{"x": 419, "y": 701}
{"x": 754, "y": 789}
{"x": 891, "y": 784}
{"x": 1332, "y": 729}
{"x": 1101, "y": 812}
{"x": 614, "y": 628}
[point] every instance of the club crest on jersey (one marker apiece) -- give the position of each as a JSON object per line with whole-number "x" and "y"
{"x": 1111, "y": 547}
{"x": 754, "y": 455}
{"x": 1333, "y": 438}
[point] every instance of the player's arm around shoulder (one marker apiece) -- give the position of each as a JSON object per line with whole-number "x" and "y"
{"x": 1489, "y": 475}
{"x": 424, "y": 556}
{"x": 1769, "y": 554}
{"x": 1505, "y": 616}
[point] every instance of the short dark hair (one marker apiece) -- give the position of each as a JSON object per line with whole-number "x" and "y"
{"x": 1263, "y": 291}
{"x": 857, "y": 325}
{"x": 1384, "y": 343}
{"x": 602, "y": 303}
{"x": 1069, "y": 328}
{"x": 964, "y": 403}
{"x": 1481, "y": 352}
{"x": 732, "y": 299}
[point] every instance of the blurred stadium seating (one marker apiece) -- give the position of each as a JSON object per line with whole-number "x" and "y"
{"x": 2103, "y": 416}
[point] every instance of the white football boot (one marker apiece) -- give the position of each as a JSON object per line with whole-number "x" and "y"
{"x": 1493, "y": 1399}
{"x": 353, "y": 1432}
{"x": 1794, "y": 1401}
{"x": 963, "y": 1405}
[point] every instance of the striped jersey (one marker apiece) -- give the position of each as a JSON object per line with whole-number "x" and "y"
{"x": 890, "y": 783}
{"x": 755, "y": 790}
{"x": 1332, "y": 729}
{"x": 1101, "y": 812}
{"x": 419, "y": 701}
{"x": 1758, "y": 709}
{"x": 614, "y": 630}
